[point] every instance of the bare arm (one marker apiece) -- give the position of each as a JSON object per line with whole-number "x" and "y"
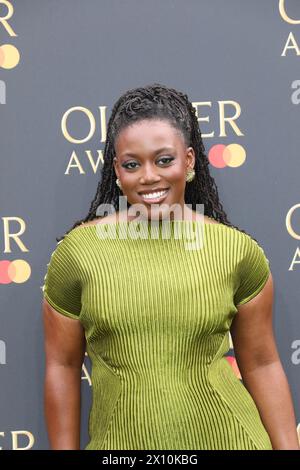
{"x": 64, "y": 348}
{"x": 261, "y": 369}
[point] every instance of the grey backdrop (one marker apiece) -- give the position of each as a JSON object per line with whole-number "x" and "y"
{"x": 75, "y": 53}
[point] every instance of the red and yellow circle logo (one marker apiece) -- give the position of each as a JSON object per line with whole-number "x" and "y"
{"x": 232, "y": 155}
{"x": 17, "y": 271}
{"x": 232, "y": 362}
{"x": 9, "y": 56}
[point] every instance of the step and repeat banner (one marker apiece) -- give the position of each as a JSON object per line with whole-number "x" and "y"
{"x": 63, "y": 64}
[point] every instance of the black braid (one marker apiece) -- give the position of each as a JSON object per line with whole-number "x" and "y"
{"x": 150, "y": 102}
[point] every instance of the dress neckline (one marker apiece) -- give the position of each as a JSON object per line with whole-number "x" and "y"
{"x": 148, "y": 223}
{"x": 192, "y": 232}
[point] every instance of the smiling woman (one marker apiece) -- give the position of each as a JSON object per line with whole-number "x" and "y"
{"x": 156, "y": 317}
{"x": 158, "y": 171}
{"x": 154, "y": 143}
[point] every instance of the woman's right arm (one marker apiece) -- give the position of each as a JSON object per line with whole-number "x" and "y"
{"x": 64, "y": 349}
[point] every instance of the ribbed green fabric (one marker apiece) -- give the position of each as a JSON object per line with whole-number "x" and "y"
{"x": 157, "y": 318}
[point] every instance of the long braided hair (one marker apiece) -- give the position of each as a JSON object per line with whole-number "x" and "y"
{"x": 157, "y": 101}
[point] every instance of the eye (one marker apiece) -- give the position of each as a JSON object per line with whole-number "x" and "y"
{"x": 166, "y": 158}
{"x": 126, "y": 165}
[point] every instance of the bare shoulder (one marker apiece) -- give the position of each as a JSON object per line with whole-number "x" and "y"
{"x": 209, "y": 220}
{"x": 204, "y": 218}
{"x": 109, "y": 219}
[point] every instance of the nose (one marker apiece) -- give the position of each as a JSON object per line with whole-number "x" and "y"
{"x": 149, "y": 174}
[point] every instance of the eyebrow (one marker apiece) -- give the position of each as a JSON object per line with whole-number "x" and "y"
{"x": 162, "y": 149}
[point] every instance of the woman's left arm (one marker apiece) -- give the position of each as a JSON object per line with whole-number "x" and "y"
{"x": 261, "y": 369}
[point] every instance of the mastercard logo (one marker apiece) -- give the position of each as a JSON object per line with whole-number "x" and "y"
{"x": 9, "y": 56}
{"x": 17, "y": 271}
{"x": 232, "y": 155}
{"x": 232, "y": 362}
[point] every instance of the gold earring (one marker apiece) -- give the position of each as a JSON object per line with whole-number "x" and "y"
{"x": 190, "y": 175}
{"x": 118, "y": 183}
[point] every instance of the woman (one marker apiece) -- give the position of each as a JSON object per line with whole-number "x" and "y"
{"x": 155, "y": 316}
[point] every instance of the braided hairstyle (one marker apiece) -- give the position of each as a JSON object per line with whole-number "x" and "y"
{"x": 157, "y": 101}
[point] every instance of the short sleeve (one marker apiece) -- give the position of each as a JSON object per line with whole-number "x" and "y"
{"x": 252, "y": 273}
{"x": 62, "y": 284}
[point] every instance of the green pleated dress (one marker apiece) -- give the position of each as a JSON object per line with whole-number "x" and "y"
{"x": 156, "y": 303}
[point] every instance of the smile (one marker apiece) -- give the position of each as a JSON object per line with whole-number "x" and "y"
{"x": 155, "y": 196}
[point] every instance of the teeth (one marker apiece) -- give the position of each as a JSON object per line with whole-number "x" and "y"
{"x": 154, "y": 195}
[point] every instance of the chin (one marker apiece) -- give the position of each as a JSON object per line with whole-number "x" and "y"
{"x": 159, "y": 214}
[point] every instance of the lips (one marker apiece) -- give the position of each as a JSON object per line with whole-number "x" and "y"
{"x": 146, "y": 197}
{"x": 149, "y": 191}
